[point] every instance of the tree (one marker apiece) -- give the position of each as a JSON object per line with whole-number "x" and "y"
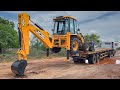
{"x": 36, "y": 43}
{"x": 7, "y": 22}
{"x": 92, "y": 37}
{"x": 8, "y": 36}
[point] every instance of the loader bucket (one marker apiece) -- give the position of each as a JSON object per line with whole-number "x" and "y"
{"x": 18, "y": 67}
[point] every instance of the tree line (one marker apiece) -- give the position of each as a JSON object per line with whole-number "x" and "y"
{"x": 8, "y": 36}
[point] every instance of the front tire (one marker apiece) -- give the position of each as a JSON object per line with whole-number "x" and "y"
{"x": 56, "y": 49}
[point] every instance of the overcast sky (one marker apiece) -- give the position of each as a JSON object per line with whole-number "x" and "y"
{"x": 104, "y": 23}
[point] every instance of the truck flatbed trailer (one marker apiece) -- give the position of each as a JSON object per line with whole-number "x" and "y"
{"x": 93, "y": 56}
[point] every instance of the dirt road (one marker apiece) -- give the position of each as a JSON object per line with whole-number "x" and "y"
{"x": 58, "y": 68}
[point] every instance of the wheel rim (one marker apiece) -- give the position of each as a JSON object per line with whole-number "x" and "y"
{"x": 75, "y": 45}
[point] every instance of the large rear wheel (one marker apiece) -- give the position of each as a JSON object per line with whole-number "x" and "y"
{"x": 74, "y": 45}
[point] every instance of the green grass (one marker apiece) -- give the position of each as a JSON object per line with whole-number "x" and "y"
{"x": 34, "y": 54}
{"x": 8, "y": 57}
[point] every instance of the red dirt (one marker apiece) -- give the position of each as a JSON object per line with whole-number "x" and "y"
{"x": 58, "y": 68}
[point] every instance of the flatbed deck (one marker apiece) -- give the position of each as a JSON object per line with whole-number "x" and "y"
{"x": 97, "y": 50}
{"x": 93, "y": 56}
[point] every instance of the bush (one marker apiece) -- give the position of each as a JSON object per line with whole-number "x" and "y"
{"x": 41, "y": 52}
{"x": 118, "y": 48}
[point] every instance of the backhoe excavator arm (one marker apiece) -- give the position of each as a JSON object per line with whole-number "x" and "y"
{"x": 25, "y": 28}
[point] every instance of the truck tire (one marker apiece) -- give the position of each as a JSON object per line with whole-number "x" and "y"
{"x": 78, "y": 60}
{"x": 109, "y": 54}
{"x": 82, "y": 60}
{"x": 74, "y": 45}
{"x": 97, "y": 58}
{"x": 113, "y": 53}
{"x": 75, "y": 59}
{"x": 92, "y": 59}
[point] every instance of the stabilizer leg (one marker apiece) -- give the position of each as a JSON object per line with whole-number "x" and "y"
{"x": 47, "y": 52}
{"x": 67, "y": 54}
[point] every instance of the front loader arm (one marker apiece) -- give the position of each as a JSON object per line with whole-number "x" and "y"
{"x": 25, "y": 27}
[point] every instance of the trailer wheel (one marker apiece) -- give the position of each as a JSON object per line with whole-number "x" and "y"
{"x": 75, "y": 59}
{"x": 109, "y": 54}
{"x": 81, "y": 60}
{"x": 92, "y": 59}
{"x": 97, "y": 58}
{"x": 78, "y": 60}
{"x": 113, "y": 53}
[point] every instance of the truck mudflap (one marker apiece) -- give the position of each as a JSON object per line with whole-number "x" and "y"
{"x": 18, "y": 67}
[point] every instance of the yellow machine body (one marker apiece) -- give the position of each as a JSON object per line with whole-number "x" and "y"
{"x": 69, "y": 40}
{"x": 25, "y": 27}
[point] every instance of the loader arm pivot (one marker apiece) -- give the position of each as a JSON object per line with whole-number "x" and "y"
{"x": 25, "y": 27}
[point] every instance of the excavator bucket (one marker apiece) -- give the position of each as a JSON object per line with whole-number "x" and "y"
{"x": 18, "y": 67}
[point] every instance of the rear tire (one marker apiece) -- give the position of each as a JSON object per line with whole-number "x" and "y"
{"x": 74, "y": 45}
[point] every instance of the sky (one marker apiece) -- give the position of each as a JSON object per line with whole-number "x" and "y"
{"x": 104, "y": 23}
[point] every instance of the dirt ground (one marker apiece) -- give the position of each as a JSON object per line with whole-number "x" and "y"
{"x": 59, "y": 68}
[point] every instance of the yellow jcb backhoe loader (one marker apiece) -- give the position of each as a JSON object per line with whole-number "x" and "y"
{"x": 66, "y": 34}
